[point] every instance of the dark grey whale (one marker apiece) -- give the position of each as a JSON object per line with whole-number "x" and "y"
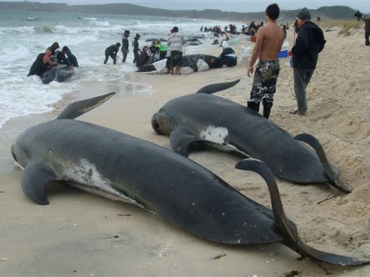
{"x": 59, "y": 73}
{"x": 202, "y": 117}
{"x": 174, "y": 188}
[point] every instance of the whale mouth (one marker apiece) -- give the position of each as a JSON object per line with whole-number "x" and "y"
{"x": 13, "y": 154}
{"x": 155, "y": 125}
{"x": 17, "y": 161}
{"x": 161, "y": 124}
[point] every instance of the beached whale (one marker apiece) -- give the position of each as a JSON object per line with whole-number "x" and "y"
{"x": 59, "y": 73}
{"x": 206, "y": 118}
{"x": 158, "y": 180}
{"x": 187, "y": 60}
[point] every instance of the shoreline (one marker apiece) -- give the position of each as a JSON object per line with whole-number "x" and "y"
{"x": 76, "y": 233}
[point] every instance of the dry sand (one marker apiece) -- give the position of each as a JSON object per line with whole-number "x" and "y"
{"x": 80, "y": 234}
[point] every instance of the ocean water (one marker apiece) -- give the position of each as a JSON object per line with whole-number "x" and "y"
{"x": 23, "y": 35}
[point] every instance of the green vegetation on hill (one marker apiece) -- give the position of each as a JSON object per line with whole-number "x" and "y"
{"x": 333, "y": 12}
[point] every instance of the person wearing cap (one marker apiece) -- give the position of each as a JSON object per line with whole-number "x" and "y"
{"x": 49, "y": 53}
{"x": 269, "y": 40}
{"x": 309, "y": 43}
{"x": 112, "y": 51}
{"x": 125, "y": 45}
{"x": 174, "y": 44}
{"x": 136, "y": 48}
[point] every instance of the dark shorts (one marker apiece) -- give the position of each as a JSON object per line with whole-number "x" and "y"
{"x": 176, "y": 58}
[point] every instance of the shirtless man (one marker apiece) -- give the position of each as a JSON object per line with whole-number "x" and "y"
{"x": 270, "y": 38}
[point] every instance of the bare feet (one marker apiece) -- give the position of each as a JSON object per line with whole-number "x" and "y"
{"x": 298, "y": 113}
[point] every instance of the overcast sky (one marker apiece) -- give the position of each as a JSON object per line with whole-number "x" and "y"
{"x": 224, "y": 5}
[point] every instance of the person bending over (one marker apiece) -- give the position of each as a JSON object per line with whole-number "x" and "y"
{"x": 112, "y": 51}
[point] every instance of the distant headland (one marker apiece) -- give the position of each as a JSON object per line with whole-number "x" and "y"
{"x": 332, "y": 12}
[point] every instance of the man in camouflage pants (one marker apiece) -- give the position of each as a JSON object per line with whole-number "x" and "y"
{"x": 269, "y": 41}
{"x": 264, "y": 86}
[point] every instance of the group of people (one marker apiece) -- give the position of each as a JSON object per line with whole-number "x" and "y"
{"x": 155, "y": 52}
{"x": 309, "y": 43}
{"x": 51, "y": 58}
{"x": 175, "y": 43}
{"x": 142, "y": 56}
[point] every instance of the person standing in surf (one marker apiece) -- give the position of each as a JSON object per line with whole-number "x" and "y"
{"x": 136, "y": 48}
{"x": 125, "y": 45}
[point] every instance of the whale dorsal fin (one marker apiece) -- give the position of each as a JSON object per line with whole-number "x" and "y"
{"x": 78, "y": 108}
{"x": 217, "y": 87}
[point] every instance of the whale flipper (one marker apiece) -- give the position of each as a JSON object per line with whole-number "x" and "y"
{"x": 328, "y": 168}
{"x": 35, "y": 178}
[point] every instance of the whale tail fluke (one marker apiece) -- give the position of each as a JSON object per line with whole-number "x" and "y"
{"x": 78, "y": 108}
{"x": 331, "y": 174}
{"x": 287, "y": 228}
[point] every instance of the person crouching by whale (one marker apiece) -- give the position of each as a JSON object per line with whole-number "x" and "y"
{"x": 227, "y": 56}
{"x": 112, "y": 51}
{"x": 144, "y": 57}
{"x": 62, "y": 57}
{"x": 49, "y": 54}
{"x": 269, "y": 41}
{"x": 43, "y": 61}
{"x": 71, "y": 57}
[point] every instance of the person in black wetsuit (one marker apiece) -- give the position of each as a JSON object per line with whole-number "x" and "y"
{"x": 70, "y": 57}
{"x": 38, "y": 66}
{"x": 125, "y": 45}
{"x": 112, "y": 51}
{"x": 136, "y": 48}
